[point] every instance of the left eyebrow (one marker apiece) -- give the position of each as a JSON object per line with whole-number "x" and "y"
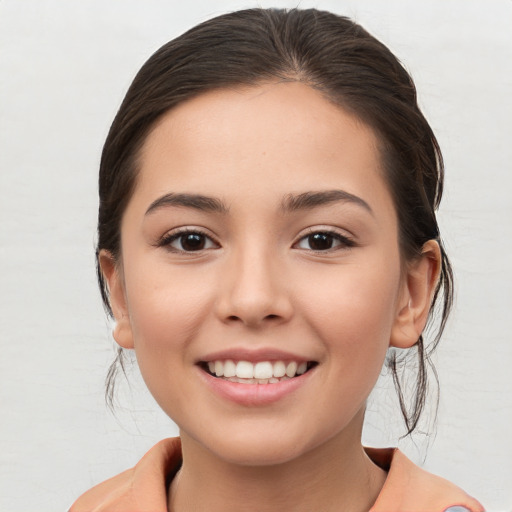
{"x": 310, "y": 200}
{"x": 194, "y": 201}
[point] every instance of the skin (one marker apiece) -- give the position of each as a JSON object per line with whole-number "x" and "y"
{"x": 257, "y": 284}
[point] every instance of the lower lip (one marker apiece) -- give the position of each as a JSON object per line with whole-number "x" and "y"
{"x": 254, "y": 394}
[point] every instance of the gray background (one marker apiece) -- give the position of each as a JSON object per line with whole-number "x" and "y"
{"x": 64, "y": 67}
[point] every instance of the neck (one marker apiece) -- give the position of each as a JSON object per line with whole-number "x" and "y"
{"x": 337, "y": 475}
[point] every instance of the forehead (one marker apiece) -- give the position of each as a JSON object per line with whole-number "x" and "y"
{"x": 274, "y": 138}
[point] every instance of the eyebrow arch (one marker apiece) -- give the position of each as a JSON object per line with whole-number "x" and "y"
{"x": 195, "y": 201}
{"x": 309, "y": 200}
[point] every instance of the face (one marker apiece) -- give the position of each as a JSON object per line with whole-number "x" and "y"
{"x": 260, "y": 278}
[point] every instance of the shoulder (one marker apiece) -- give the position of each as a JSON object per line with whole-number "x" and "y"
{"x": 409, "y": 488}
{"x": 140, "y": 489}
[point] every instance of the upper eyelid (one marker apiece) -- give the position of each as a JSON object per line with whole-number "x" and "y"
{"x": 175, "y": 233}
{"x": 343, "y": 233}
{"x": 347, "y": 239}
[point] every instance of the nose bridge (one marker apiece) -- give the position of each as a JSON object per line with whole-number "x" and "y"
{"x": 253, "y": 289}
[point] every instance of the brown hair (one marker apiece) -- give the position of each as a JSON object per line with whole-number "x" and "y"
{"x": 331, "y": 54}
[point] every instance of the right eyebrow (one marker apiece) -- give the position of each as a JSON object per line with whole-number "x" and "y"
{"x": 195, "y": 201}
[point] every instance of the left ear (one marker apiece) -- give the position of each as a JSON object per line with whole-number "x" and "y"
{"x": 418, "y": 288}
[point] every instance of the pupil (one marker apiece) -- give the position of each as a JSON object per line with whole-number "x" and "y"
{"x": 320, "y": 241}
{"x": 192, "y": 242}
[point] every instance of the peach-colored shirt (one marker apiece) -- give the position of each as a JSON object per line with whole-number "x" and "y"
{"x": 143, "y": 488}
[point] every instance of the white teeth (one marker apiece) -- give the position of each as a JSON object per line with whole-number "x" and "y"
{"x": 291, "y": 369}
{"x": 229, "y": 368}
{"x": 263, "y": 370}
{"x": 244, "y": 370}
{"x": 219, "y": 368}
{"x": 279, "y": 369}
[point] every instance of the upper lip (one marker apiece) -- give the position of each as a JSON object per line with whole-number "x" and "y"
{"x": 253, "y": 355}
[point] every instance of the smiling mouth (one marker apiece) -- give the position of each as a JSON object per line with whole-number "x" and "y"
{"x": 262, "y": 372}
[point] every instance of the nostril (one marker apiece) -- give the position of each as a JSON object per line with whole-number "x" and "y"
{"x": 267, "y": 317}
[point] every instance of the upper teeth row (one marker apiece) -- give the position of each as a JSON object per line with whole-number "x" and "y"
{"x": 261, "y": 370}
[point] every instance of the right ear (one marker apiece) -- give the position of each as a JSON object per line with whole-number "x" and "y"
{"x": 112, "y": 274}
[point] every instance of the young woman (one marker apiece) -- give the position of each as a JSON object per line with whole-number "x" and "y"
{"x": 267, "y": 231}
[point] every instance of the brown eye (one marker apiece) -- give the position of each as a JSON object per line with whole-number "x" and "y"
{"x": 324, "y": 241}
{"x": 320, "y": 241}
{"x": 187, "y": 241}
{"x": 192, "y": 242}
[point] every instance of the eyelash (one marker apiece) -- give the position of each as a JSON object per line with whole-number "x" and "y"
{"x": 167, "y": 240}
{"x": 345, "y": 242}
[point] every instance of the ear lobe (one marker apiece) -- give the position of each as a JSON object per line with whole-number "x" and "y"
{"x": 113, "y": 275}
{"x": 418, "y": 290}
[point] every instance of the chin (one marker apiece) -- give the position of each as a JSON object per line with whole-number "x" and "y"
{"x": 257, "y": 446}
{"x": 263, "y": 452}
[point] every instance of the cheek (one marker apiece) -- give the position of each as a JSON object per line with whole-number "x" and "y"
{"x": 354, "y": 308}
{"x": 166, "y": 308}
{"x": 166, "y": 313}
{"x": 353, "y": 317}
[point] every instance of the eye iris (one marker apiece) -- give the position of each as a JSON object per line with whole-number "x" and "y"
{"x": 320, "y": 241}
{"x": 192, "y": 242}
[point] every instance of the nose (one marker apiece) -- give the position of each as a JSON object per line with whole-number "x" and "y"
{"x": 254, "y": 291}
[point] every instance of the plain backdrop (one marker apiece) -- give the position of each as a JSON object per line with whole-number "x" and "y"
{"x": 64, "y": 68}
